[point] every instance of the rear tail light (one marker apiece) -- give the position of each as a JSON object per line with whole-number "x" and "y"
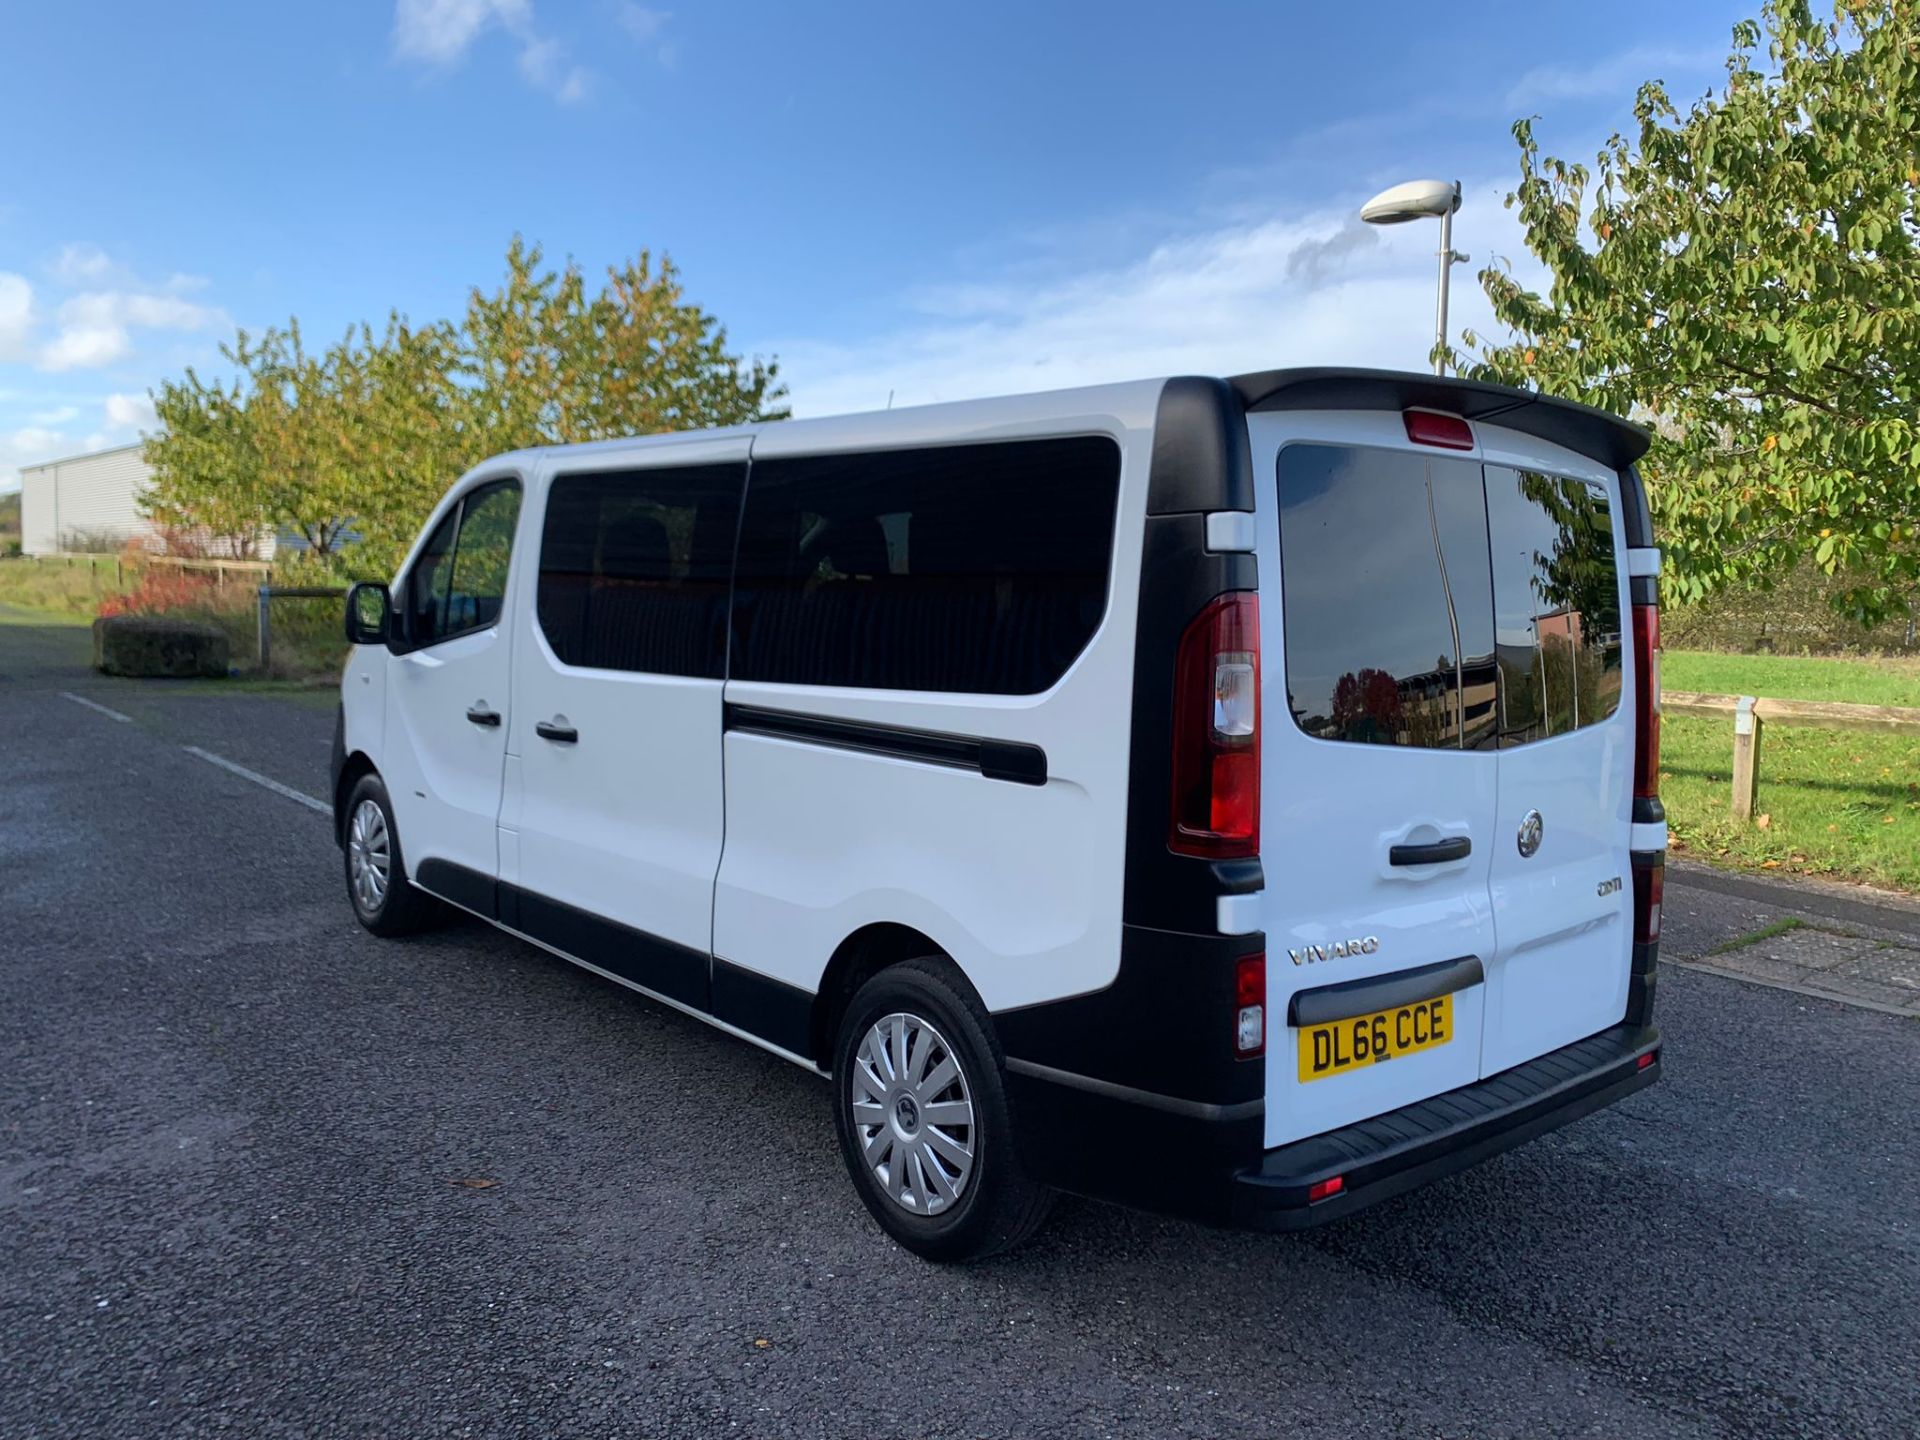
{"x": 1433, "y": 427}
{"x": 1250, "y": 1001}
{"x": 1325, "y": 1189}
{"x": 1647, "y": 1059}
{"x": 1646, "y": 665}
{"x": 1648, "y": 883}
{"x": 1216, "y": 732}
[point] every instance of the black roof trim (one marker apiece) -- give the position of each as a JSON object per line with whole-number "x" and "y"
{"x": 1605, "y": 437}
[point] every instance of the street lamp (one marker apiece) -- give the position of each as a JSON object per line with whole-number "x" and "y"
{"x": 1418, "y": 200}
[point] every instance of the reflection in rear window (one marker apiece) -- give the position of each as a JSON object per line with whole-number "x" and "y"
{"x": 1430, "y": 605}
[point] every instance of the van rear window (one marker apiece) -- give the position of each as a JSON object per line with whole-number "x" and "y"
{"x": 1433, "y": 604}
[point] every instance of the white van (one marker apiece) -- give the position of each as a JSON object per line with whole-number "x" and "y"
{"x": 1236, "y": 797}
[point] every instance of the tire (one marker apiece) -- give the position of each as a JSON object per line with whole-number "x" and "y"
{"x": 383, "y": 899}
{"x": 953, "y": 1189}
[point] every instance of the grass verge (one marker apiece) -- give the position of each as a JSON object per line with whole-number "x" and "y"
{"x": 1838, "y": 803}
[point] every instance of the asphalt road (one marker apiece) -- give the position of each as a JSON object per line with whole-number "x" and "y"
{"x": 230, "y": 1123}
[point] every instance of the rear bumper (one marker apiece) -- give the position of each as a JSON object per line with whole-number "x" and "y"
{"x": 1204, "y": 1161}
{"x": 1446, "y": 1133}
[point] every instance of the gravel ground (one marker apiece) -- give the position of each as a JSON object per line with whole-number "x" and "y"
{"x": 232, "y": 1127}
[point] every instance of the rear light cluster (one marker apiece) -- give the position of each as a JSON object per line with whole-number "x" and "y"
{"x": 1646, "y": 666}
{"x": 1250, "y": 1006}
{"x": 1648, "y": 883}
{"x": 1216, "y": 732}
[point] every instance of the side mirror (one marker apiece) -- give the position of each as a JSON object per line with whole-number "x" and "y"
{"x": 369, "y": 614}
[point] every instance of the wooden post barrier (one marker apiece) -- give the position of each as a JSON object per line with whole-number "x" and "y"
{"x": 1752, "y": 714}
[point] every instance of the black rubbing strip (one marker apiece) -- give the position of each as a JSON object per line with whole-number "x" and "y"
{"x": 1012, "y": 760}
{"x": 1383, "y": 992}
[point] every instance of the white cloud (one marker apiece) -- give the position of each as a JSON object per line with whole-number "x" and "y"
{"x": 642, "y": 23}
{"x": 59, "y": 415}
{"x": 1247, "y": 296}
{"x": 82, "y": 264}
{"x": 94, "y": 328}
{"x": 28, "y": 445}
{"x": 441, "y": 32}
{"x": 1613, "y": 76}
{"x": 543, "y": 64}
{"x": 130, "y": 412}
{"x": 16, "y": 315}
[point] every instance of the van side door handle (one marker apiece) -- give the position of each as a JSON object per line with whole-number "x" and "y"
{"x": 480, "y": 715}
{"x": 1454, "y": 847}
{"x": 559, "y": 734}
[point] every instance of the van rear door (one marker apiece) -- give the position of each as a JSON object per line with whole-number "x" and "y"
{"x": 1561, "y": 883}
{"x": 1380, "y": 791}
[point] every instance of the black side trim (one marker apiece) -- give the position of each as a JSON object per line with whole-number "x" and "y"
{"x": 1327, "y": 1003}
{"x": 1643, "y": 590}
{"x": 1454, "y": 847}
{"x": 1596, "y": 433}
{"x": 779, "y": 1013}
{"x": 467, "y": 888}
{"x": 1013, "y": 760}
{"x": 1202, "y": 459}
{"x": 1177, "y": 989}
{"x": 1171, "y": 1104}
{"x": 662, "y": 966}
{"x": 1647, "y": 810}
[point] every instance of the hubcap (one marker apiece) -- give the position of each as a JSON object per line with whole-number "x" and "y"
{"x": 913, "y": 1114}
{"x": 369, "y": 856}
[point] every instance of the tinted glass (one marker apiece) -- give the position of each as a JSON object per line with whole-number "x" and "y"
{"x": 635, "y": 566}
{"x": 977, "y": 568}
{"x": 1387, "y": 597}
{"x": 426, "y": 595}
{"x": 479, "y": 583}
{"x": 1556, "y": 602}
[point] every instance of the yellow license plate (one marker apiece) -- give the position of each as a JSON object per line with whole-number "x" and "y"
{"x": 1344, "y": 1045}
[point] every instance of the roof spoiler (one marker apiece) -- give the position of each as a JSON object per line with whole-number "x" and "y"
{"x": 1601, "y": 436}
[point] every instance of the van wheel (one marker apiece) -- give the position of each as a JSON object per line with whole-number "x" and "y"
{"x": 384, "y": 900}
{"x": 921, "y": 1111}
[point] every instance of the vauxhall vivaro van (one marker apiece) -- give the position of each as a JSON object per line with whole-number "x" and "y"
{"x": 1235, "y": 797}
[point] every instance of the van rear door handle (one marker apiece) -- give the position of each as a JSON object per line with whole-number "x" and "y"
{"x": 1454, "y": 847}
{"x": 559, "y": 734}
{"x": 480, "y": 715}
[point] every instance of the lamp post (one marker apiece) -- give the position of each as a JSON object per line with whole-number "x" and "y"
{"x": 1419, "y": 200}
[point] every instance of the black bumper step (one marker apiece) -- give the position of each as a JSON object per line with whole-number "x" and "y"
{"x": 1445, "y": 1133}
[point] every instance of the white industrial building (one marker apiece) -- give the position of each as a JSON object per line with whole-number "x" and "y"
{"x": 85, "y": 502}
{"x": 89, "y": 503}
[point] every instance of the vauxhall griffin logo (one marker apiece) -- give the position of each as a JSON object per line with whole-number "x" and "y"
{"x": 1339, "y": 950}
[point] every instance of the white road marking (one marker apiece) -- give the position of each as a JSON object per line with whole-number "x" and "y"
{"x": 95, "y": 705}
{"x": 257, "y": 778}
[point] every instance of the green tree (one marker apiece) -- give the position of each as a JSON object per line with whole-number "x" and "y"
{"x": 351, "y": 446}
{"x": 1745, "y": 275}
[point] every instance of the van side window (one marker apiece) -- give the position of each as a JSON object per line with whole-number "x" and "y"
{"x": 1387, "y": 597}
{"x": 459, "y": 579}
{"x": 968, "y": 568}
{"x": 635, "y": 567}
{"x": 1556, "y": 596}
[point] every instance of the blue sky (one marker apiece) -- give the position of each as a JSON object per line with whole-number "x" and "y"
{"x": 930, "y": 201}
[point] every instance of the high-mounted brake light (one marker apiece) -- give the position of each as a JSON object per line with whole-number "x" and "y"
{"x": 1646, "y": 666}
{"x": 1434, "y": 427}
{"x": 1216, "y": 732}
{"x": 1250, "y": 1000}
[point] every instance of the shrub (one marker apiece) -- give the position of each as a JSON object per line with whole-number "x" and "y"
{"x": 155, "y": 645}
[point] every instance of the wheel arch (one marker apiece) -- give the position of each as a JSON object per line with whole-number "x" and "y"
{"x": 858, "y": 958}
{"x": 352, "y": 769}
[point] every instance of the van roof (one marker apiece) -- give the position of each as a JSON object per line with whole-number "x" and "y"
{"x": 1582, "y": 428}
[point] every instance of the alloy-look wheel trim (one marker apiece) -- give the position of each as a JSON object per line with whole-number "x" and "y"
{"x": 913, "y": 1114}
{"x": 369, "y": 856}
